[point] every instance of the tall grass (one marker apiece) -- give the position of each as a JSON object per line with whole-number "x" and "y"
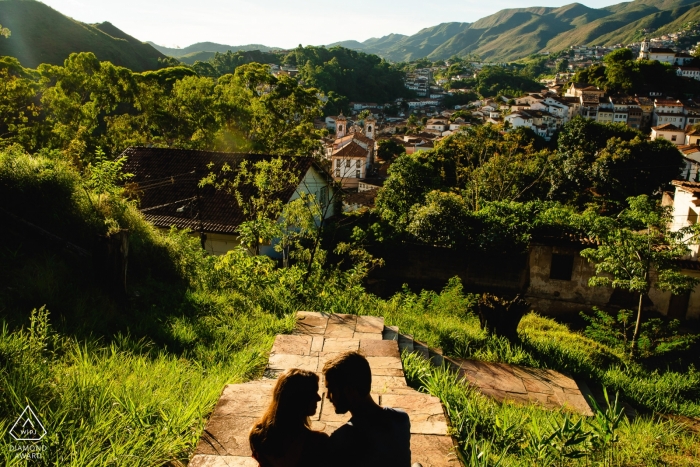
{"x": 495, "y": 434}
{"x": 132, "y": 384}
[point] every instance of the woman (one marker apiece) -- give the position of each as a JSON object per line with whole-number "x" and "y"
{"x": 282, "y": 437}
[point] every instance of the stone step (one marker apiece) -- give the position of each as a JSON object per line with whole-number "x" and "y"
{"x": 435, "y": 356}
{"x": 405, "y": 342}
{"x": 422, "y": 349}
{"x": 390, "y": 333}
{"x": 202, "y": 460}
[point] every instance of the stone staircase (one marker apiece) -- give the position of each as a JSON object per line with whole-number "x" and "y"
{"x": 319, "y": 337}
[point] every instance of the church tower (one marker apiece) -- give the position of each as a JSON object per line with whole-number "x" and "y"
{"x": 644, "y": 50}
{"x": 341, "y": 126}
{"x": 370, "y": 127}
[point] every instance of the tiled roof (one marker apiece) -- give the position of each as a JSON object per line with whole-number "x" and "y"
{"x": 363, "y": 198}
{"x": 351, "y": 150}
{"x": 691, "y": 187}
{"x": 689, "y": 149}
{"x": 661, "y": 50}
{"x": 667, "y": 127}
{"x": 166, "y": 182}
{"x": 668, "y": 103}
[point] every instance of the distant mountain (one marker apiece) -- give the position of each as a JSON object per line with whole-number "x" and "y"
{"x": 41, "y": 34}
{"x": 210, "y": 47}
{"x": 518, "y": 32}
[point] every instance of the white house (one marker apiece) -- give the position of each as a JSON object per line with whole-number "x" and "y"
{"x": 670, "y": 132}
{"x": 437, "y": 124}
{"x": 688, "y": 72}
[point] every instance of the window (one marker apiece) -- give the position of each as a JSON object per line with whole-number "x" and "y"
{"x": 323, "y": 196}
{"x": 369, "y": 129}
{"x": 358, "y": 163}
{"x": 347, "y": 162}
{"x": 562, "y": 266}
{"x": 337, "y": 172}
{"x": 340, "y": 128}
{"x": 673, "y": 138}
{"x": 358, "y": 174}
{"x": 337, "y": 163}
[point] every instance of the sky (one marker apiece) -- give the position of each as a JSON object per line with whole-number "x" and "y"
{"x": 282, "y": 23}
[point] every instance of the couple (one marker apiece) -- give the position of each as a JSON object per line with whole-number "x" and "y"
{"x": 374, "y": 436}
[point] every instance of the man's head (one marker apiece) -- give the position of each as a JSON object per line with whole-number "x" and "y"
{"x": 348, "y": 380}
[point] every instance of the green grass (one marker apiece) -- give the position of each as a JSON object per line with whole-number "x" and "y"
{"x": 507, "y": 434}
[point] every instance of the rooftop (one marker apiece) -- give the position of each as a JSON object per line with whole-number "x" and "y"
{"x": 166, "y": 182}
{"x": 667, "y": 127}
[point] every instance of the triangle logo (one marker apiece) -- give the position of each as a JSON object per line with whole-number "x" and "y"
{"x": 28, "y": 427}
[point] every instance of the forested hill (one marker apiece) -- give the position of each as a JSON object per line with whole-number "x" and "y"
{"x": 210, "y": 47}
{"x": 515, "y": 33}
{"x": 41, "y": 34}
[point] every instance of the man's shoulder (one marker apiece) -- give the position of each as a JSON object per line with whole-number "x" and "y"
{"x": 344, "y": 432}
{"x": 396, "y": 415}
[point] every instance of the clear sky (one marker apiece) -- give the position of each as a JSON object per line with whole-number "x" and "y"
{"x": 282, "y": 23}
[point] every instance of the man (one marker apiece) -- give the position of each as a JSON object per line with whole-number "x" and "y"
{"x": 374, "y": 436}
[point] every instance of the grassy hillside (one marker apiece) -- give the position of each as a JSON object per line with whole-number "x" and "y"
{"x": 41, "y": 34}
{"x": 136, "y": 379}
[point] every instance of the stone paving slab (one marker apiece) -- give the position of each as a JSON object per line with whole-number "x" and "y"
{"x": 376, "y": 348}
{"x": 433, "y": 451}
{"x": 502, "y": 382}
{"x": 309, "y": 322}
{"x": 222, "y": 461}
{"x": 292, "y": 345}
{"x": 283, "y": 362}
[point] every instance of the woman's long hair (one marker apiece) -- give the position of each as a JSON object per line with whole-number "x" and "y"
{"x": 287, "y": 413}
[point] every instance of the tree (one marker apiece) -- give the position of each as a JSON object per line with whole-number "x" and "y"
{"x": 607, "y": 163}
{"x": 257, "y": 189}
{"x": 388, "y": 150}
{"x": 261, "y": 113}
{"x": 563, "y": 66}
{"x": 4, "y": 32}
{"x": 637, "y": 252}
{"x": 442, "y": 219}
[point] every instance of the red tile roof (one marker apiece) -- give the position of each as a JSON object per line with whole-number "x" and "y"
{"x": 352, "y": 150}
{"x": 166, "y": 182}
{"x": 667, "y": 127}
{"x": 691, "y": 187}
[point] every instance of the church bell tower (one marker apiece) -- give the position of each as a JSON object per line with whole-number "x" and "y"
{"x": 370, "y": 127}
{"x": 341, "y": 126}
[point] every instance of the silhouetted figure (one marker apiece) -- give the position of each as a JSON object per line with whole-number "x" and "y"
{"x": 374, "y": 436}
{"x": 282, "y": 437}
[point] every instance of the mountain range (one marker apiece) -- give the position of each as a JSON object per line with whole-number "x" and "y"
{"x": 41, "y": 34}
{"x": 518, "y": 32}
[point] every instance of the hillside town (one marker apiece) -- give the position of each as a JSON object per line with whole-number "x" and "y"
{"x": 396, "y": 235}
{"x": 354, "y": 140}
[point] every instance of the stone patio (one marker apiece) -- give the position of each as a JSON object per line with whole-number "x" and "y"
{"x": 504, "y": 382}
{"x": 317, "y": 338}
